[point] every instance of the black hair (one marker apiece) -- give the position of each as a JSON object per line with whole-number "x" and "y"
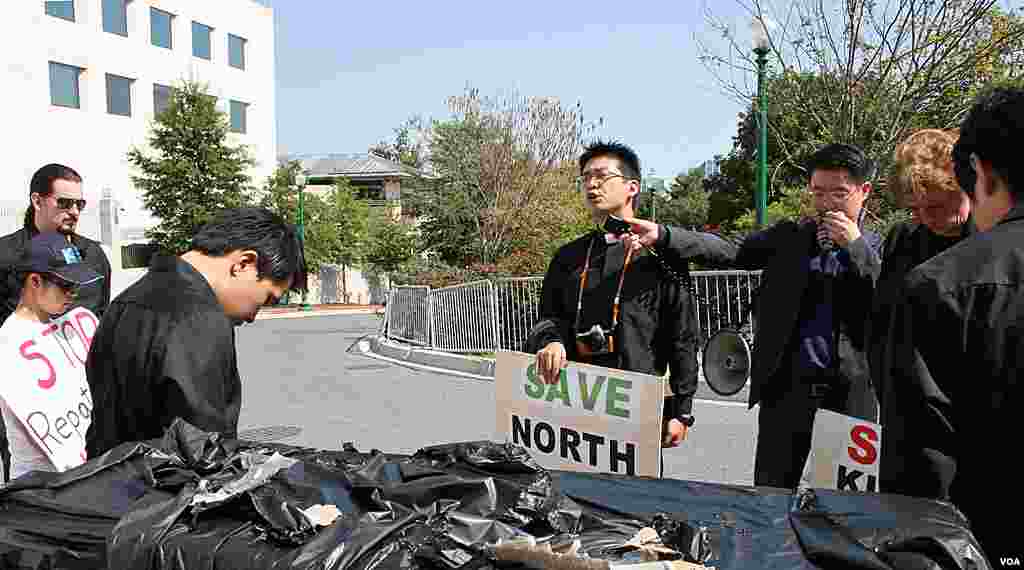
{"x": 275, "y": 241}
{"x": 992, "y": 130}
{"x": 42, "y": 184}
{"x": 627, "y": 157}
{"x": 847, "y": 157}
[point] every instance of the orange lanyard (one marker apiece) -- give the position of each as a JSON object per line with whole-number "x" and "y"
{"x": 618, "y": 292}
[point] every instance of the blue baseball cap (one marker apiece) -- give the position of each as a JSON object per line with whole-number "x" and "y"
{"x": 52, "y": 253}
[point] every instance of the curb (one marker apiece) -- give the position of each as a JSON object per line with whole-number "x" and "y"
{"x": 299, "y": 314}
{"x": 424, "y": 359}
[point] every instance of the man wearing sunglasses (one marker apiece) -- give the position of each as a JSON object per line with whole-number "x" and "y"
{"x": 956, "y": 346}
{"x": 55, "y": 205}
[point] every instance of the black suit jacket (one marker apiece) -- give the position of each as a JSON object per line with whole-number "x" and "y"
{"x": 783, "y": 252}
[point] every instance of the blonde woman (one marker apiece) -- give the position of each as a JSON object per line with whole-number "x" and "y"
{"x": 924, "y": 180}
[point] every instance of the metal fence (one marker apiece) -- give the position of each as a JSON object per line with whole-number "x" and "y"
{"x": 463, "y": 318}
{"x": 485, "y": 316}
{"x": 407, "y": 317}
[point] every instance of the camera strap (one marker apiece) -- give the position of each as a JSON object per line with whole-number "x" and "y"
{"x": 618, "y": 291}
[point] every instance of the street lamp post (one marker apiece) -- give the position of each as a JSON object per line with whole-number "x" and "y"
{"x": 761, "y": 48}
{"x": 654, "y": 199}
{"x": 300, "y": 182}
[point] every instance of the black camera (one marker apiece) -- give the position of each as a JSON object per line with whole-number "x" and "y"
{"x": 615, "y": 226}
{"x": 595, "y": 342}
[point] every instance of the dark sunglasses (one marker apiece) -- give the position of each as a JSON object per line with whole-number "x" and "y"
{"x": 67, "y": 203}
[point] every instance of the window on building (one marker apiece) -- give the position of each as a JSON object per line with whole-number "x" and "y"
{"x": 64, "y": 85}
{"x": 160, "y": 28}
{"x": 236, "y": 51}
{"x": 201, "y": 38}
{"x": 115, "y": 17}
{"x": 161, "y": 98}
{"x": 65, "y": 9}
{"x": 239, "y": 111}
{"x": 119, "y": 95}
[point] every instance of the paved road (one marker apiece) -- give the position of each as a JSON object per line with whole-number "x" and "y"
{"x": 296, "y": 372}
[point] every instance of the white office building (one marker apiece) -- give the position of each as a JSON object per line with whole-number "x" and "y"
{"x": 80, "y": 81}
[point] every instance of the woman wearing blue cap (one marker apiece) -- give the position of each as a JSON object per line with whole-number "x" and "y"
{"x": 45, "y": 398}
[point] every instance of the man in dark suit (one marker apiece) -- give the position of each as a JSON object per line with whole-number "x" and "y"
{"x": 811, "y": 312}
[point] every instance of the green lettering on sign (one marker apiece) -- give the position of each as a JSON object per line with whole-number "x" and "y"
{"x": 615, "y": 394}
{"x": 535, "y": 386}
{"x": 560, "y": 389}
{"x": 588, "y": 393}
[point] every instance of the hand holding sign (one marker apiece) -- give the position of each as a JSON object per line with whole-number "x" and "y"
{"x": 550, "y": 361}
{"x": 675, "y": 433}
{"x": 588, "y": 418}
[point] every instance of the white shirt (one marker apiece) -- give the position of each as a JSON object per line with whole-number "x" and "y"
{"x": 25, "y": 454}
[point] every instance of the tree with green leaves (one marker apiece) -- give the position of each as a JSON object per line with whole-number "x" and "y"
{"x": 349, "y": 224}
{"x": 391, "y": 244}
{"x": 281, "y": 195}
{"x": 490, "y": 163}
{"x": 190, "y": 171}
{"x": 861, "y": 72}
{"x": 683, "y": 203}
{"x": 410, "y": 146}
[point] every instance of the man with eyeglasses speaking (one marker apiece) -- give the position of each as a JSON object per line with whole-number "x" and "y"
{"x": 817, "y": 285}
{"x": 607, "y": 301}
{"x": 55, "y": 205}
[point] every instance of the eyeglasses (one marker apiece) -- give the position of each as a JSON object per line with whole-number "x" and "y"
{"x": 600, "y": 177}
{"x": 837, "y": 195}
{"x": 68, "y": 203}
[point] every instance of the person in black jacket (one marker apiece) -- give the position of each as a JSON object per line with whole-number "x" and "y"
{"x": 55, "y": 204}
{"x": 811, "y": 312}
{"x": 923, "y": 178}
{"x": 165, "y": 349}
{"x": 956, "y": 349}
{"x": 609, "y": 282}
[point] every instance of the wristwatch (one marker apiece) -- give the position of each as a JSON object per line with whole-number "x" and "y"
{"x": 686, "y": 419}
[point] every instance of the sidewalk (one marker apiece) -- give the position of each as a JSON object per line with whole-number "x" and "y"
{"x": 295, "y": 311}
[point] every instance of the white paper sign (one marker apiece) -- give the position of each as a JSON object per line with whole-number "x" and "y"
{"x": 46, "y": 387}
{"x": 845, "y": 453}
{"x": 594, "y": 419}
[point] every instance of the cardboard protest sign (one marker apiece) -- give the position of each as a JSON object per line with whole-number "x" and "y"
{"x": 845, "y": 453}
{"x": 594, "y": 419}
{"x": 45, "y": 385}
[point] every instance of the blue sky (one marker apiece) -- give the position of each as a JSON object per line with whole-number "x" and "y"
{"x": 348, "y": 72}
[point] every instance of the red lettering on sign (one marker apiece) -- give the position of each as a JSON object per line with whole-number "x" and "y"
{"x": 44, "y": 383}
{"x": 86, "y": 335}
{"x": 863, "y": 437}
{"x": 52, "y": 329}
{"x": 76, "y": 333}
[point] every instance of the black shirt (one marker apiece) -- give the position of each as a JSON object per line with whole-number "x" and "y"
{"x": 906, "y": 246}
{"x": 656, "y": 325}
{"x": 94, "y": 296}
{"x": 954, "y": 362}
{"x": 164, "y": 349}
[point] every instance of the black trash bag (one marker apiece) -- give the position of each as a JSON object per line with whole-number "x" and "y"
{"x": 236, "y": 485}
{"x": 869, "y": 530}
{"x": 136, "y": 507}
{"x": 509, "y": 485}
{"x": 64, "y": 520}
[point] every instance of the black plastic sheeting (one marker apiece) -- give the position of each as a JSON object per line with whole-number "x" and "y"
{"x": 196, "y": 501}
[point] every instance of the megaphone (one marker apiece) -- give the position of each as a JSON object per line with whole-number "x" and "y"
{"x": 726, "y": 362}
